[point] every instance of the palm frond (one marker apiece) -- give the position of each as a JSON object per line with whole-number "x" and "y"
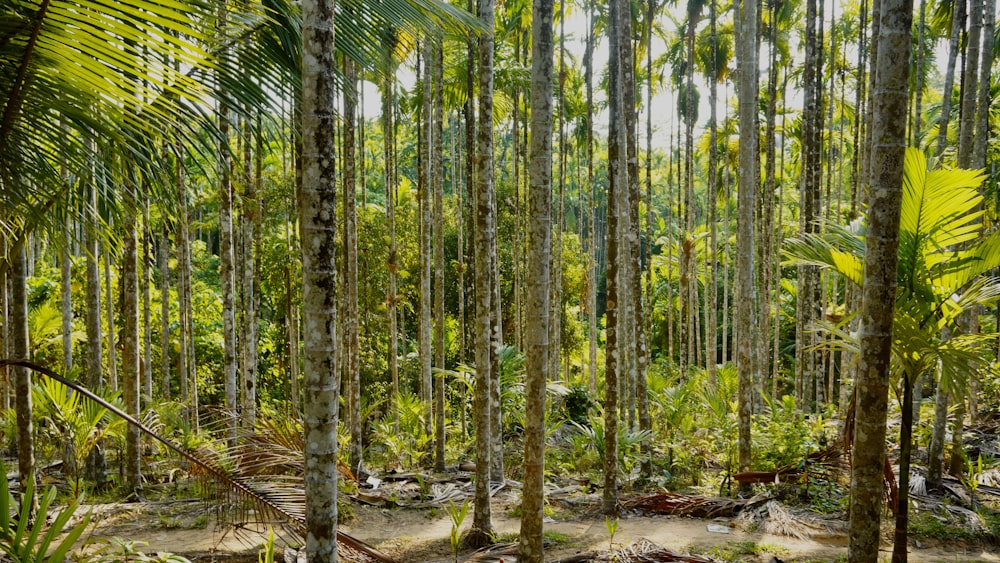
{"x": 263, "y": 500}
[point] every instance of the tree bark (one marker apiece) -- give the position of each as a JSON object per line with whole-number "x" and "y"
{"x": 749, "y": 188}
{"x": 66, "y": 301}
{"x": 146, "y": 367}
{"x": 592, "y": 336}
{"x": 890, "y": 102}
{"x": 538, "y": 280}
{"x": 21, "y": 348}
{"x": 958, "y": 16}
{"x": 969, "y": 92}
{"x": 482, "y": 525}
{"x": 109, "y": 308}
{"x": 935, "y": 451}
{"x": 424, "y": 189}
{"x": 250, "y": 226}
{"x": 131, "y": 375}
{"x": 227, "y": 260}
{"x": 318, "y": 220}
{"x": 164, "y": 267}
{"x": 350, "y": 270}
{"x": 437, "y": 180}
{"x": 389, "y": 128}
{"x": 985, "y": 80}
{"x": 96, "y": 463}
{"x": 618, "y": 183}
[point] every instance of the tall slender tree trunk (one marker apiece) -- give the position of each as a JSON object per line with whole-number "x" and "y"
{"x": 645, "y": 422}
{"x": 461, "y": 183}
{"x": 985, "y": 82}
{"x": 96, "y": 462}
{"x": 537, "y": 332}
{"x": 250, "y": 226}
{"x": 66, "y": 301}
{"x": 555, "y": 287}
{"x": 808, "y": 301}
{"x": 424, "y": 189}
{"x": 918, "y": 89}
{"x": 899, "y": 547}
{"x": 187, "y": 369}
{"x": 437, "y": 181}
{"x": 890, "y": 102}
{"x": 227, "y": 260}
{"x": 592, "y": 336}
{"x": 711, "y": 313}
{"x": 352, "y": 348}
{"x": 147, "y": 307}
{"x": 318, "y": 220}
{"x": 958, "y": 16}
{"x": 6, "y": 347}
{"x": 66, "y": 307}
{"x": 131, "y": 374}
{"x": 164, "y": 267}
{"x": 969, "y": 90}
{"x": 482, "y": 525}
{"x": 109, "y": 308}
{"x": 21, "y": 348}
{"x": 749, "y": 188}
{"x": 770, "y": 186}
{"x": 389, "y": 128}
{"x": 935, "y": 450}
{"x": 618, "y": 183}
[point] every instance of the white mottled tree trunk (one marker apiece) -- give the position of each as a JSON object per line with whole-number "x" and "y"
{"x": 538, "y": 280}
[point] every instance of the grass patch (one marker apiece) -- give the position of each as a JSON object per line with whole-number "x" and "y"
{"x": 927, "y": 525}
{"x": 736, "y": 551}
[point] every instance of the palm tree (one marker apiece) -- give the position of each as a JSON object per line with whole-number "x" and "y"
{"x": 22, "y": 377}
{"x": 617, "y": 189}
{"x": 485, "y": 237}
{"x": 888, "y": 133}
{"x": 538, "y": 281}
{"x": 318, "y": 219}
{"x": 749, "y": 188}
{"x": 936, "y": 284}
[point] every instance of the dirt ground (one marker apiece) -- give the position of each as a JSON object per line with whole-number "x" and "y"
{"x": 422, "y": 535}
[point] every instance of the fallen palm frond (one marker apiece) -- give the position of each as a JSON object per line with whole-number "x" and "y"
{"x": 773, "y": 518}
{"x": 690, "y": 505}
{"x": 826, "y": 457}
{"x": 642, "y": 551}
{"x": 271, "y": 504}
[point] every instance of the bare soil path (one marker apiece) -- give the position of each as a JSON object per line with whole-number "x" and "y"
{"x": 422, "y": 536}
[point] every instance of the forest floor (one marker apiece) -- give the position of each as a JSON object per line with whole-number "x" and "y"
{"x": 187, "y": 528}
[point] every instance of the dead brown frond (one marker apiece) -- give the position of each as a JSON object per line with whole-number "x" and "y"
{"x": 642, "y": 551}
{"x": 774, "y": 518}
{"x": 690, "y": 505}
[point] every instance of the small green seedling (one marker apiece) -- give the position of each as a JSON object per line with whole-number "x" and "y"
{"x": 612, "y": 525}
{"x": 457, "y": 516}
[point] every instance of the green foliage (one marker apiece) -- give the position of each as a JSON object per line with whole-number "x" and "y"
{"x": 24, "y": 538}
{"x": 405, "y": 446}
{"x": 941, "y": 272}
{"x": 784, "y": 435}
{"x": 577, "y": 404}
{"x": 587, "y": 446}
{"x": 78, "y": 424}
{"x": 121, "y": 550}
{"x": 266, "y": 555}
